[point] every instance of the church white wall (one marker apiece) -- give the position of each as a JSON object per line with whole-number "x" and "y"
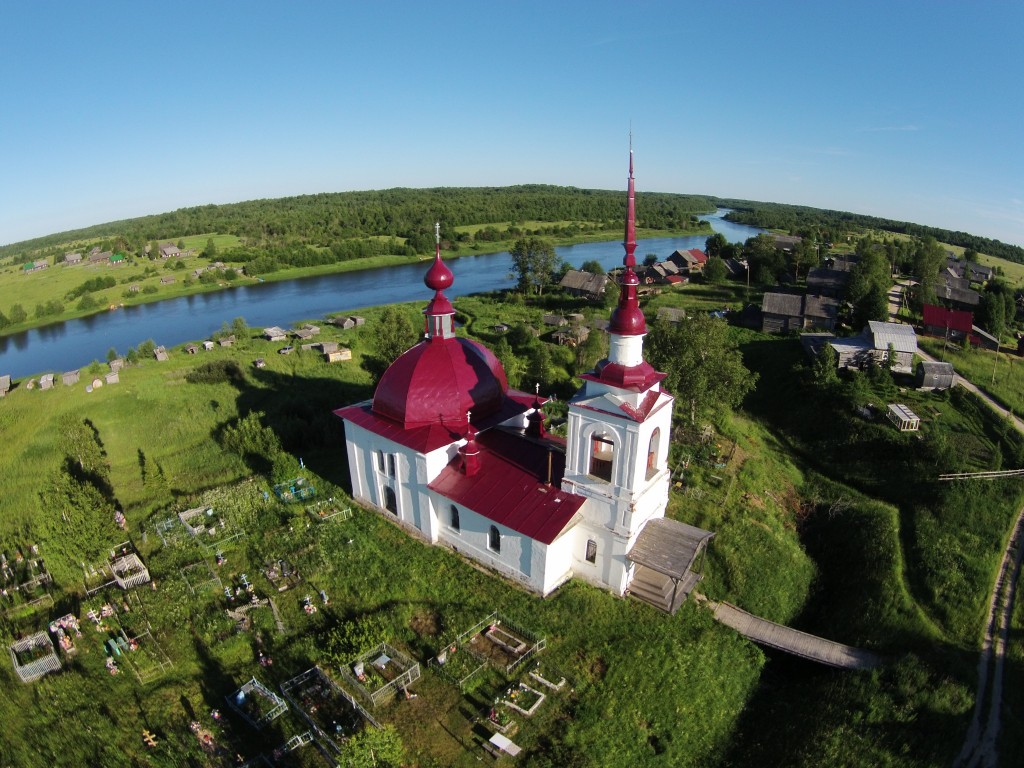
{"x": 521, "y": 558}
{"x": 610, "y": 567}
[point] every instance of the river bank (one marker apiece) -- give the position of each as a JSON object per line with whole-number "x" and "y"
{"x": 194, "y": 287}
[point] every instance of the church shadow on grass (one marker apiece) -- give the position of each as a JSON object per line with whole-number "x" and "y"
{"x": 298, "y": 409}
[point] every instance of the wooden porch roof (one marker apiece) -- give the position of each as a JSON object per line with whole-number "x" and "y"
{"x": 668, "y": 546}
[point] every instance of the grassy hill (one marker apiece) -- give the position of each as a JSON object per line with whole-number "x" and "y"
{"x": 825, "y": 519}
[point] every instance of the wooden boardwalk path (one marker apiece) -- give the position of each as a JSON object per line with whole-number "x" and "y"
{"x": 793, "y": 641}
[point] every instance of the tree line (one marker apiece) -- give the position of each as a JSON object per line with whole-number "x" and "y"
{"x": 827, "y": 225}
{"x": 322, "y": 220}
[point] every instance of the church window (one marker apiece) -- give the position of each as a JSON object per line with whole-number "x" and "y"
{"x": 380, "y": 460}
{"x": 391, "y": 465}
{"x": 390, "y": 500}
{"x": 454, "y": 519}
{"x": 652, "y": 453}
{"x": 494, "y": 539}
{"x": 591, "y": 551}
{"x": 602, "y": 453}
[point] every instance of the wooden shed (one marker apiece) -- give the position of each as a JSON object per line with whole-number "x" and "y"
{"x": 934, "y": 375}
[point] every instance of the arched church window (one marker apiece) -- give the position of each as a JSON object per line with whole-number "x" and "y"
{"x": 602, "y": 454}
{"x": 652, "y": 453}
{"x": 454, "y": 518}
{"x": 390, "y": 500}
{"x": 494, "y": 539}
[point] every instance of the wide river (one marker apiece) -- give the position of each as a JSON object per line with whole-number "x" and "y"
{"x": 75, "y": 343}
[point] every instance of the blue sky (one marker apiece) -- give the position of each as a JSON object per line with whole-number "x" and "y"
{"x": 911, "y": 110}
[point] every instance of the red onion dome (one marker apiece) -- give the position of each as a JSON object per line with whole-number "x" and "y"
{"x": 438, "y": 277}
{"x": 438, "y": 380}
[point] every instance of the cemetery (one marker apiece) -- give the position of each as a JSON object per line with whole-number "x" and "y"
{"x": 379, "y": 674}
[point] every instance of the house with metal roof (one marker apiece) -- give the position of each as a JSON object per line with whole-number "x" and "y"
{"x": 584, "y": 284}
{"x": 448, "y": 451}
{"x": 875, "y": 344}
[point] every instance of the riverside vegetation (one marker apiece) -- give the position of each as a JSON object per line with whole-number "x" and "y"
{"x": 826, "y": 519}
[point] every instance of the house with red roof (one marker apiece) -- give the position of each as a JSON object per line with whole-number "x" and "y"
{"x": 451, "y": 453}
{"x": 952, "y": 324}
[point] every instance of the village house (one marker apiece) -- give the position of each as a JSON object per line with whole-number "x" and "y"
{"x": 784, "y": 312}
{"x": 950, "y": 324}
{"x": 166, "y": 280}
{"x": 72, "y": 259}
{"x": 786, "y": 243}
{"x": 873, "y": 346}
{"x": 34, "y": 266}
{"x": 97, "y": 257}
{"x": 170, "y": 251}
{"x": 823, "y": 281}
{"x": 584, "y": 284}
{"x": 671, "y": 315}
{"x": 934, "y": 375}
{"x": 448, "y": 451}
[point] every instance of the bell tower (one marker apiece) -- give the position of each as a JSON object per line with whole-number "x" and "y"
{"x": 618, "y": 432}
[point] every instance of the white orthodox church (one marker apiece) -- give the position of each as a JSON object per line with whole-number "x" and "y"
{"x": 447, "y": 450}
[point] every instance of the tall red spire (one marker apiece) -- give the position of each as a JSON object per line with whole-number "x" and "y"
{"x": 627, "y": 319}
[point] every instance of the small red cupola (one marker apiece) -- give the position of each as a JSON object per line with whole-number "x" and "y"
{"x": 469, "y": 452}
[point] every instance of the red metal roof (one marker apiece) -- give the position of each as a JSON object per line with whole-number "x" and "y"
{"x": 699, "y": 255}
{"x": 953, "y": 319}
{"x": 426, "y": 438}
{"x": 511, "y": 485}
{"x": 438, "y": 380}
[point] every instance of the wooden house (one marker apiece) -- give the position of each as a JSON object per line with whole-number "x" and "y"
{"x": 71, "y": 259}
{"x": 782, "y": 312}
{"x": 828, "y": 282}
{"x": 820, "y": 312}
{"x": 273, "y": 333}
{"x": 671, "y": 315}
{"x": 934, "y": 375}
{"x": 46, "y": 381}
{"x": 571, "y": 337}
{"x": 584, "y": 284}
{"x": 786, "y": 243}
{"x": 69, "y": 378}
{"x": 5, "y": 384}
{"x": 166, "y": 280}
{"x": 556, "y": 320}
{"x": 160, "y": 354}
{"x": 169, "y": 251}
{"x": 873, "y": 346}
